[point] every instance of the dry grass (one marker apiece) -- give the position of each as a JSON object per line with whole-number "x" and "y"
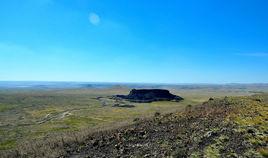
{"x": 21, "y": 128}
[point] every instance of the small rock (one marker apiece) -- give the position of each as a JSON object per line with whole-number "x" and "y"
{"x": 156, "y": 114}
{"x": 95, "y": 143}
{"x": 117, "y": 146}
{"x": 251, "y": 131}
{"x": 210, "y": 133}
{"x": 210, "y": 99}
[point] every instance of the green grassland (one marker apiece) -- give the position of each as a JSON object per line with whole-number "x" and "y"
{"x": 30, "y": 114}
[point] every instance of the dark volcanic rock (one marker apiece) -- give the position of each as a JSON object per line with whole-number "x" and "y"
{"x": 149, "y": 95}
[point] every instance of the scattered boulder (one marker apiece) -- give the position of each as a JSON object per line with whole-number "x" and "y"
{"x": 156, "y": 114}
{"x": 210, "y": 99}
{"x": 251, "y": 131}
{"x": 149, "y": 95}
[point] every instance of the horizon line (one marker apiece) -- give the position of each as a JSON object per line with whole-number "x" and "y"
{"x": 116, "y": 82}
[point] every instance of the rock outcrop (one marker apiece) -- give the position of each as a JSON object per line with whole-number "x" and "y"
{"x": 149, "y": 95}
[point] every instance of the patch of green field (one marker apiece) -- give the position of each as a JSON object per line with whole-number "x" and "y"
{"x": 7, "y": 144}
{"x": 6, "y": 107}
{"x": 212, "y": 152}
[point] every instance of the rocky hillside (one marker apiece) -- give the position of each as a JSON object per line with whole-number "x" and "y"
{"x": 227, "y": 127}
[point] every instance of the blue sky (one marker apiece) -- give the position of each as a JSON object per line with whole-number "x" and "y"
{"x": 187, "y": 41}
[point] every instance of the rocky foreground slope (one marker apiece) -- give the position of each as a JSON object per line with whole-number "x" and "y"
{"x": 227, "y": 127}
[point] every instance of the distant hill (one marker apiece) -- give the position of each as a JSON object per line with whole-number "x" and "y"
{"x": 256, "y": 87}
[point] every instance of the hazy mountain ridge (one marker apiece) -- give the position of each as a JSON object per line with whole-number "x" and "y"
{"x": 101, "y": 85}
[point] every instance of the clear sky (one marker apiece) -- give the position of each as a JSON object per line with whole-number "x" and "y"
{"x": 164, "y": 41}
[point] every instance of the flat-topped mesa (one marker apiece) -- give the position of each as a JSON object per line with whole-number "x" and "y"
{"x": 149, "y": 95}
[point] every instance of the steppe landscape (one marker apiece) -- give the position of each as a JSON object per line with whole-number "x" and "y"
{"x": 56, "y": 121}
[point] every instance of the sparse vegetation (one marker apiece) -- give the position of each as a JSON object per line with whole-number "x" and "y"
{"x": 70, "y": 122}
{"x": 27, "y": 114}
